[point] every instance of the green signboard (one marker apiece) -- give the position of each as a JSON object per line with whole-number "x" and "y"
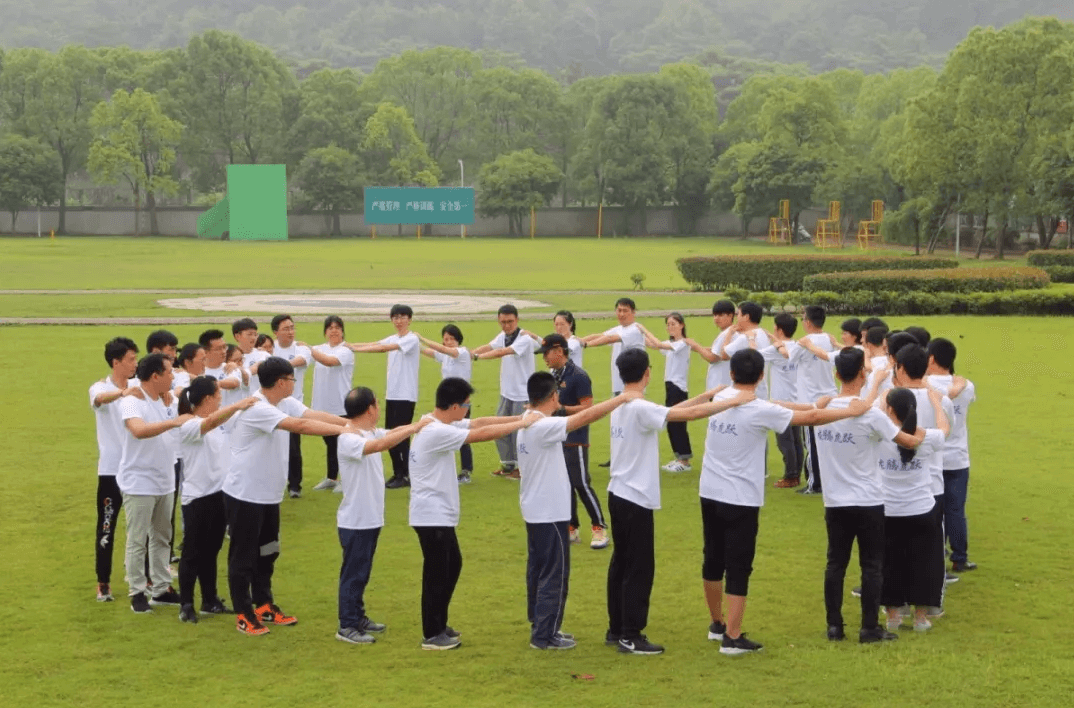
{"x": 419, "y": 205}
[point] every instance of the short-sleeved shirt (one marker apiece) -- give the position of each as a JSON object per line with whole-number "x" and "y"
{"x": 926, "y": 418}
{"x": 180, "y": 379}
{"x": 147, "y": 466}
{"x": 516, "y": 369}
{"x": 741, "y": 342}
{"x": 815, "y": 375}
{"x": 545, "y": 489}
{"x": 290, "y": 354}
{"x": 956, "y": 450}
{"x": 847, "y": 450}
{"x": 907, "y": 485}
{"x": 782, "y": 375}
{"x": 109, "y": 428}
{"x": 258, "y": 471}
{"x": 228, "y": 396}
{"x": 206, "y": 459}
{"x": 362, "y": 477}
{"x": 630, "y": 337}
{"x": 719, "y": 371}
{"x": 733, "y": 468}
{"x": 331, "y": 384}
{"x": 575, "y": 350}
{"x": 248, "y": 362}
{"x": 635, "y": 465}
{"x": 573, "y": 385}
{"x": 403, "y": 366}
{"x": 434, "y": 484}
{"x": 677, "y": 364}
{"x": 455, "y": 367}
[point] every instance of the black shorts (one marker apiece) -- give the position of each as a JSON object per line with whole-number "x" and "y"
{"x": 730, "y": 544}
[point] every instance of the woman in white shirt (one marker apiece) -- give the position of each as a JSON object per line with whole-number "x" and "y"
{"x": 563, "y": 323}
{"x": 455, "y": 362}
{"x": 206, "y": 455}
{"x": 676, "y": 379}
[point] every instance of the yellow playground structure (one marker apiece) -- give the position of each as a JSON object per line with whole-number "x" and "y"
{"x": 828, "y": 230}
{"x": 869, "y": 231}
{"x": 779, "y": 227}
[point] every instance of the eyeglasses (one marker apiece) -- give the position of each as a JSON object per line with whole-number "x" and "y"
{"x": 465, "y": 405}
{"x": 288, "y": 378}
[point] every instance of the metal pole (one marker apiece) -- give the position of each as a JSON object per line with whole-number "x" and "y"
{"x": 958, "y": 226}
{"x": 39, "y": 222}
{"x": 462, "y": 183}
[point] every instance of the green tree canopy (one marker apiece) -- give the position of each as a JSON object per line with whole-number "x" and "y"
{"x": 516, "y": 182}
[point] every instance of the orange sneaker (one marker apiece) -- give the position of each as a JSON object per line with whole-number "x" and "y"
{"x": 574, "y": 536}
{"x": 600, "y": 538}
{"x": 785, "y": 483}
{"x": 272, "y": 614}
{"x": 251, "y": 628}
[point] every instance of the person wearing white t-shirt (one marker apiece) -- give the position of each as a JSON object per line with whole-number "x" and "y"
{"x": 783, "y": 386}
{"x": 206, "y": 457}
{"x": 455, "y": 362}
{"x": 876, "y": 352}
{"x": 750, "y": 335}
{"x": 244, "y": 332}
{"x": 216, "y": 366}
{"x": 956, "y": 451}
{"x": 104, "y": 397}
{"x": 545, "y": 498}
{"x": 719, "y": 372}
{"x": 253, "y": 490}
{"x": 517, "y": 354}
{"x": 189, "y": 364}
{"x": 633, "y": 495}
{"x": 283, "y": 326}
{"x": 401, "y": 394}
{"x": 564, "y": 325}
{"x": 676, "y": 354}
{"x": 434, "y": 501}
{"x": 146, "y": 477}
{"x": 815, "y": 380}
{"x": 333, "y": 371}
{"x": 624, "y": 336}
{"x": 361, "y": 513}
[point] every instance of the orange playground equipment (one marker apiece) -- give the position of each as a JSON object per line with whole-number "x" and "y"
{"x": 828, "y": 235}
{"x": 779, "y": 227}
{"x": 869, "y": 231}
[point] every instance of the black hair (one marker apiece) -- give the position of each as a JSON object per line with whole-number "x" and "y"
{"x": 903, "y": 404}
{"x": 898, "y": 340}
{"x": 914, "y": 360}
{"x": 507, "y": 310}
{"x": 453, "y": 330}
{"x": 747, "y": 366}
{"x": 751, "y": 310}
{"x": 160, "y": 339}
{"x": 242, "y": 325}
{"x": 678, "y": 318}
{"x": 852, "y": 325}
{"x": 566, "y": 315}
{"x": 151, "y": 364}
{"x": 870, "y": 322}
{"x": 403, "y": 310}
{"x": 540, "y": 387}
{"x": 200, "y": 388}
{"x": 626, "y": 302}
{"x": 875, "y": 335}
{"x": 117, "y": 348}
{"x": 816, "y": 315}
{"x": 723, "y": 307}
{"x": 786, "y": 323}
{"x": 632, "y": 365}
{"x": 208, "y": 336}
{"x": 359, "y": 400}
{"x": 272, "y": 370}
{"x": 920, "y": 334}
{"x": 261, "y": 339}
{"x": 231, "y": 349}
{"x": 452, "y": 391}
{"x": 279, "y": 320}
{"x": 849, "y": 362}
{"x": 187, "y": 353}
{"x": 333, "y": 320}
{"x": 943, "y": 351}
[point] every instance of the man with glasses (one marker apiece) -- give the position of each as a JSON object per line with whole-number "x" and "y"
{"x": 283, "y": 327}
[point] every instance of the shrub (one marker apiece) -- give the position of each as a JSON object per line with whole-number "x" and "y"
{"x": 942, "y": 280}
{"x": 1051, "y": 258}
{"x": 1060, "y": 273}
{"x": 1048, "y": 301}
{"x": 780, "y": 273}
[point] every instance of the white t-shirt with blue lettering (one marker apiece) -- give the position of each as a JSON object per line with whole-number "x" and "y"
{"x": 635, "y": 466}
{"x": 848, "y": 450}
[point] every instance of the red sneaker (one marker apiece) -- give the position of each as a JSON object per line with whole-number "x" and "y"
{"x": 272, "y": 614}
{"x": 250, "y": 627}
{"x": 786, "y": 483}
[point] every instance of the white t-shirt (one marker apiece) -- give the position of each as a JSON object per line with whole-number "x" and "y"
{"x": 575, "y": 349}
{"x": 782, "y": 375}
{"x": 109, "y": 428}
{"x": 926, "y": 418}
{"x": 888, "y": 381}
{"x": 908, "y": 487}
{"x": 677, "y": 364}
{"x": 331, "y": 384}
{"x": 172, "y": 436}
{"x": 741, "y": 342}
{"x": 847, "y": 449}
{"x": 515, "y": 369}
{"x": 635, "y": 466}
{"x": 403, "y": 366}
{"x": 733, "y": 468}
{"x": 206, "y": 459}
{"x": 180, "y": 379}
{"x": 956, "y": 451}
{"x": 545, "y": 491}
{"x": 363, "y": 482}
{"x": 815, "y": 375}
{"x": 290, "y": 354}
{"x": 228, "y": 396}
{"x": 146, "y": 467}
{"x": 459, "y": 367}
{"x": 630, "y": 337}
{"x": 434, "y": 485}
{"x": 248, "y": 360}
{"x": 258, "y": 469}
{"x": 719, "y": 372}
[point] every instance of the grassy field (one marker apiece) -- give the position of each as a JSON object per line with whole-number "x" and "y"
{"x": 1006, "y": 641}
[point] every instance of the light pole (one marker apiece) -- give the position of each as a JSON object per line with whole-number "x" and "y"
{"x": 462, "y": 183}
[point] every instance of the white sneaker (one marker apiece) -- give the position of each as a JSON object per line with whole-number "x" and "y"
{"x": 325, "y": 484}
{"x": 676, "y": 466}
{"x": 338, "y": 489}
{"x": 922, "y": 625}
{"x": 574, "y": 535}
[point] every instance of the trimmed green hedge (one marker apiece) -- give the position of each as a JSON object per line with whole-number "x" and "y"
{"x": 786, "y": 272}
{"x": 942, "y": 280}
{"x": 1051, "y": 258}
{"x": 1060, "y": 273}
{"x": 1049, "y": 301}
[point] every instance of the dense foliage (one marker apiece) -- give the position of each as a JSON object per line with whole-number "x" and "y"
{"x": 942, "y": 280}
{"x": 783, "y": 273}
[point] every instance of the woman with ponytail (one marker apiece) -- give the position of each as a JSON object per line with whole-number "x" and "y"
{"x": 676, "y": 377}
{"x": 206, "y": 455}
{"x": 913, "y": 542}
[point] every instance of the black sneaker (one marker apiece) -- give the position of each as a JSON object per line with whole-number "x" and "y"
{"x": 367, "y": 625}
{"x": 187, "y": 614}
{"x": 836, "y": 633}
{"x": 856, "y": 591}
{"x": 139, "y": 604}
{"x": 876, "y": 634}
{"x": 605, "y": 464}
{"x": 294, "y": 493}
{"x": 397, "y": 483}
{"x": 963, "y": 566}
{"x": 452, "y": 633}
{"x": 168, "y": 597}
{"x": 716, "y": 631}
{"x": 216, "y": 608}
{"x": 639, "y": 645}
{"x": 611, "y": 639}
{"x": 740, "y": 645}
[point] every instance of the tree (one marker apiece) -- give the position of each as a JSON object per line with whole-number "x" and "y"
{"x": 692, "y": 142}
{"x": 333, "y": 108}
{"x": 331, "y": 179}
{"x": 519, "y": 109}
{"x": 515, "y": 183}
{"x": 136, "y": 142}
{"x": 30, "y": 175}
{"x": 392, "y": 151}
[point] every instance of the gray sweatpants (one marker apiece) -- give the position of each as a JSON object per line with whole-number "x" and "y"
{"x": 506, "y": 445}
{"x": 148, "y": 518}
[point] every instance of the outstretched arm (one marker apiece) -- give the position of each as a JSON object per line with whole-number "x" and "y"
{"x": 941, "y": 415}
{"x": 371, "y": 348}
{"x": 393, "y": 437}
{"x": 817, "y": 416}
{"x": 706, "y": 353}
{"x": 452, "y": 352}
{"x": 491, "y": 432}
{"x": 322, "y": 358}
{"x": 323, "y": 417}
{"x": 705, "y": 410}
{"x": 142, "y": 430}
{"x": 495, "y": 353}
{"x": 220, "y": 417}
{"x": 598, "y": 411}
{"x": 308, "y": 426}
{"x": 705, "y": 397}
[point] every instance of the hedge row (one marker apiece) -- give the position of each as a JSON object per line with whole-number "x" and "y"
{"x": 780, "y": 273}
{"x": 1051, "y": 258}
{"x": 941, "y": 280}
{"x": 1051, "y": 301}
{"x": 1060, "y": 273}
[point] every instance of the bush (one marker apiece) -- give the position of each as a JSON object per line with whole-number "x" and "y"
{"x": 1049, "y": 301}
{"x": 941, "y": 280}
{"x": 1060, "y": 273}
{"x": 780, "y": 273}
{"x": 1051, "y": 258}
